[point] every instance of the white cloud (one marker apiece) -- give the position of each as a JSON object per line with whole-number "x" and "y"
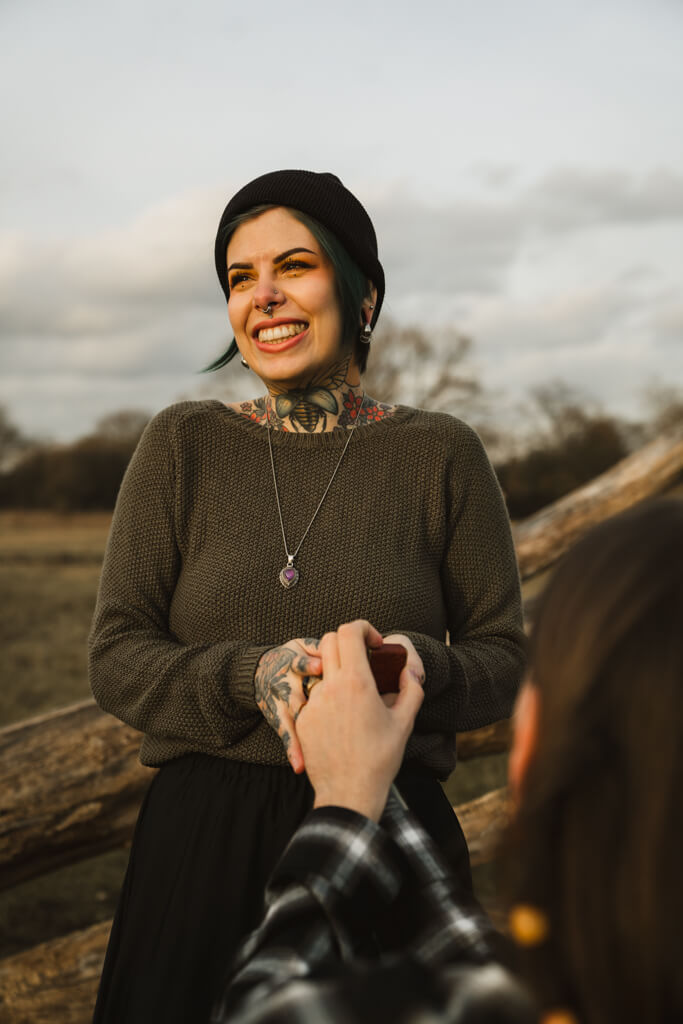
{"x": 567, "y": 198}
{"x": 558, "y": 277}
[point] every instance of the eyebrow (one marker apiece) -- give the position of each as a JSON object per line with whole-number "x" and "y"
{"x": 276, "y": 260}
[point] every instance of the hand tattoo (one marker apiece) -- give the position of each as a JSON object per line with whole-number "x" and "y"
{"x": 271, "y": 685}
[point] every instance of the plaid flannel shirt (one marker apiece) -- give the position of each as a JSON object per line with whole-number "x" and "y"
{"x": 343, "y": 882}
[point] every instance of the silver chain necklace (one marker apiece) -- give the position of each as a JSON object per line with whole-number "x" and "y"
{"x": 289, "y": 575}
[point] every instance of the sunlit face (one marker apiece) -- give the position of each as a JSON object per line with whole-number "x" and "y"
{"x": 275, "y": 260}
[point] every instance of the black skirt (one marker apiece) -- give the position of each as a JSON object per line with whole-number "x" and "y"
{"x": 209, "y": 834}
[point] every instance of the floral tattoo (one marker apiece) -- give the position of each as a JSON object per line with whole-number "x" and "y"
{"x": 272, "y": 687}
{"x": 365, "y": 410}
{"x": 308, "y": 408}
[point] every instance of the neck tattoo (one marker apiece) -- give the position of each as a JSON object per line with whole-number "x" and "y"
{"x": 309, "y": 406}
{"x": 289, "y": 574}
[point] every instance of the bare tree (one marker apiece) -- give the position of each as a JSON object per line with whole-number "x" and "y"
{"x": 122, "y": 427}
{"x": 568, "y": 440}
{"x": 12, "y": 441}
{"x": 665, "y": 408}
{"x": 431, "y": 370}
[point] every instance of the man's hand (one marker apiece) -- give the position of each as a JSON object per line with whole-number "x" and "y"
{"x": 352, "y": 742}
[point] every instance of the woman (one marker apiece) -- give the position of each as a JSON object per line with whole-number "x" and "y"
{"x": 597, "y": 846}
{"x": 241, "y": 535}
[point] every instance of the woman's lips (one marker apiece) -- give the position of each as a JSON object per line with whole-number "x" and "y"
{"x": 281, "y": 331}
{"x": 275, "y": 337}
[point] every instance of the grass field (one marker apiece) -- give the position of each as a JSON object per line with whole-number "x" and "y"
{"x": 49, "y": 569}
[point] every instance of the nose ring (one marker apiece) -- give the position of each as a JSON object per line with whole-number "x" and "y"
{"x": 266, "y": 309}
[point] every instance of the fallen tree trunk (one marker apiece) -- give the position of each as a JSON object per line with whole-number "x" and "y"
{"x": 483, "y": 821}
{"x": 70, "y": 787}
{"x": 492, "y": 739}
{"x": 70, "y": 782}
{"x": 57, "y": 981}
{"x": 542, "y": 538}
{"x": 54, "y": 982}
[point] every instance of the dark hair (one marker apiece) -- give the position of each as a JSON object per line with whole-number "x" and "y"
{"x": 597, "y": 843}
{"x": 351, "y": 283}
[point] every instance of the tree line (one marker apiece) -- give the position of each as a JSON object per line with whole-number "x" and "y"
{"x": 561, "y": 442}
{"x": 82, "y": 476}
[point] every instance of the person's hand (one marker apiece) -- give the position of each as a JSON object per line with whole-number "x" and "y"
{"x": 278, "y": 686}
{"x": 352, "y": 742}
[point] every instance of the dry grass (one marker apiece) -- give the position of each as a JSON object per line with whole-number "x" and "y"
{"x": 49, "y": 570}
{"x": 42, "y": 636}
{"x": 36, "y": 536}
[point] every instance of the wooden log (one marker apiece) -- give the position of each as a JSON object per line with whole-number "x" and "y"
{"x": 70, "y": 787}
{"x": 492, "y": 739}
{"x": 483, "y": 822}
{"x": 542, "y": 538}
{"x": 70, "y": 783}
{"x": 56, "y": 982}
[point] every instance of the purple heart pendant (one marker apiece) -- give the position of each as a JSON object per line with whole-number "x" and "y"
{"x": 289, "y": 576}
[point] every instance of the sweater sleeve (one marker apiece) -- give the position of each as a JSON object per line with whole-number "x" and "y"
{"x": 473, "y": 680}
{"x": 138, "y": 671}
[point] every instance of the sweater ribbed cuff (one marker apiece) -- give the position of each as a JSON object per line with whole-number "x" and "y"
{"x": 241, "y": 686}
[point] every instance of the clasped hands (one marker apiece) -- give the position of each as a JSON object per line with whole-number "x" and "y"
{"x": 349, "y": 740}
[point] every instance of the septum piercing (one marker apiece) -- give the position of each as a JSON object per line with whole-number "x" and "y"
{"x": 266, "y": 309}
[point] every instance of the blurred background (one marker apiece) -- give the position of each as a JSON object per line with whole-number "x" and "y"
{"x": 522, "y": 163}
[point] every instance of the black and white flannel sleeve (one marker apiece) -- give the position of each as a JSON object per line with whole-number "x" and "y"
{"x": 316, "y": 957}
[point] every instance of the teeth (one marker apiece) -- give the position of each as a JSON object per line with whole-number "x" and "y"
{"x": 280, "y": 332}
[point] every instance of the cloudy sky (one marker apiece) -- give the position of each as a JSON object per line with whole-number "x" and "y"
{"x": 522, "y": 161}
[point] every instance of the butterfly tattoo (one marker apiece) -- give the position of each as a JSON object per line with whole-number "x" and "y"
{"x": 308, "y": 406}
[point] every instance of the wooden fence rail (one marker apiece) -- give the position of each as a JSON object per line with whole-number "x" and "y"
{"x": 71, "y": 786}
{"x": 542, "y": 538}
{"x": 70, "y": 782}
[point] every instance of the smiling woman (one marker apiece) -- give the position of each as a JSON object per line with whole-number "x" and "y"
{"x": 300, "y": 338}
{"x": 244, "y": 533}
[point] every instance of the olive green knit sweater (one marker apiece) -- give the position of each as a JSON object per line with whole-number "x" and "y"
{"x": 413, "y": 535}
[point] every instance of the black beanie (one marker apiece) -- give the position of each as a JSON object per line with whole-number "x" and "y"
{"x": 321, "y": 196}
